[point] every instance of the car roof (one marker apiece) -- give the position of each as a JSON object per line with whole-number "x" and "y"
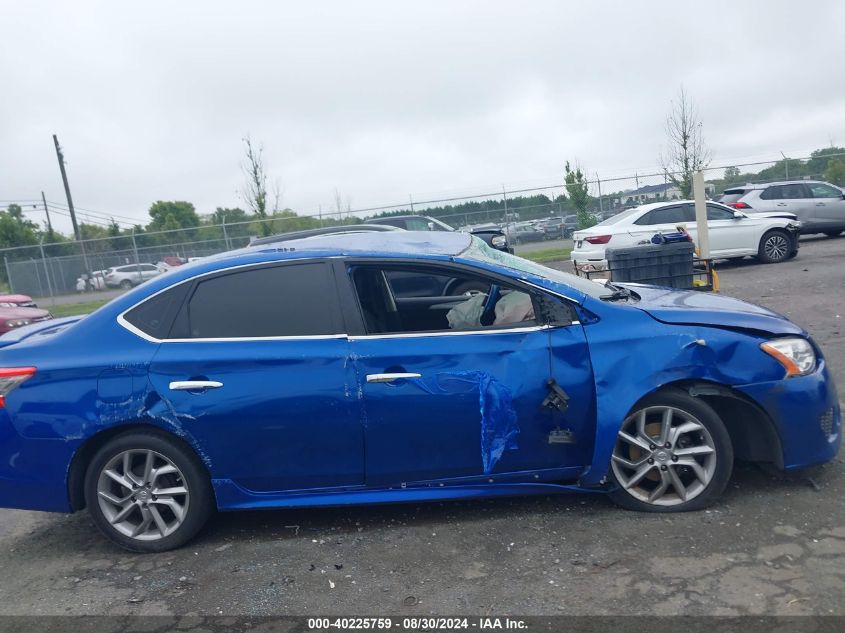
{"x": 764, "y": 185}
{"x": 347, "y": 229}
{"x": 443, "y": 243}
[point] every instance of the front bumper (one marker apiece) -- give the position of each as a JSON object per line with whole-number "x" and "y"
{"x": 806, "y": 414}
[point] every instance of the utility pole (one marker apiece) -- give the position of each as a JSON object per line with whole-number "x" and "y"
{"x": 601, "y": 205}
{"x": 785, "y": 164}
{"x": 47, "y": 211}
{"x": 61, "y": 158}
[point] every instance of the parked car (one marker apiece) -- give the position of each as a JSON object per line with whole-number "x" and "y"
{"x": 188, "y": 395}
{"x": 819, "y": 206}
{"x": 490, "y": 233}
{"x": 16, "y": 317}
{"x": 561, "y": 227}
{"x": 131, "y": 275}
{"x": 96, "y": 281}
{"x": 17, "y": 301}
{"x": 525, "y": 233}
{"x": 770, "y": 237}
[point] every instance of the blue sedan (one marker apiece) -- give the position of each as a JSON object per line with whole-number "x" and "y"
{"x": 293, "y": 374}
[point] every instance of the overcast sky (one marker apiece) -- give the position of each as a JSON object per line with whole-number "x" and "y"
{"x": 383, "y": 100}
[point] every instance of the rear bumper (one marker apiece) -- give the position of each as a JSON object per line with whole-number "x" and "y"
{"x": 806, "y": 414}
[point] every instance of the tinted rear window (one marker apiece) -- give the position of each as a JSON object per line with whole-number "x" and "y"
{"x": 290, "y": 300}
{"x": 731, "y": 196}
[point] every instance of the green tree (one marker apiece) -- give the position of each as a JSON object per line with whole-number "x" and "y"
{"x": 819, "y": 159}
{"x": 183, "y": 213}
{"x": 835, "y": 172}
{"x": 579, "y": 195}
{"x": 15, "y": 229}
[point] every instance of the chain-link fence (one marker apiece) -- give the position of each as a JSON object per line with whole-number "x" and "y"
{"x": 54, "y": 269}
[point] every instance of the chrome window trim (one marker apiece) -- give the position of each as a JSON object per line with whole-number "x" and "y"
{"x": 121, "y": 318}
{"x": 532, "y": 328}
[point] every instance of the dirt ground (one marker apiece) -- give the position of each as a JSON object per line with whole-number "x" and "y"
{"x": 774, "y": 545}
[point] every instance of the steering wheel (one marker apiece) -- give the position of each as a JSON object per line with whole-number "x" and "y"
{"x": 490, "y": 304}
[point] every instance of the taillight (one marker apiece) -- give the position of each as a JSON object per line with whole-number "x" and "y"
{"x": 598, "y": 239}
{"x": 10, "y": 378}
{"x": 739, "y": 205}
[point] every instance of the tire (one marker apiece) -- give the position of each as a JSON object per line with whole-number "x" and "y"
{"x": 126, "y": 284}
{"x": 469, "y": 287}
{"x": 645, "y": 478}
{"x": 775, "y": 246}
{"x": 168, "y": 520}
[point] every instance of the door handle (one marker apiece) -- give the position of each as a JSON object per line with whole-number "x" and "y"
{"x": 820, "y": 204}
{"x": 390, "y": 377}
{"x": 781, "y": 204}
{"x": 194, "y": 385}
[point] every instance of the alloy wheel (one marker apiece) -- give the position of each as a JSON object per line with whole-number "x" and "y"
{"x": 664, "y": 456}
{"x": 143, "y": 494}
{"x": 776, "y": 247}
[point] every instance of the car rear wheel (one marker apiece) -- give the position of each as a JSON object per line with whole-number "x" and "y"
{"x": 147, "y": 493}
{"x": 672, "y": 454}
{"x": 126, "y": 284}
{"x": 775, "y": 247}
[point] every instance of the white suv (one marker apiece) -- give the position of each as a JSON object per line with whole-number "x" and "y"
{"x": 131, "y": 275}
{"x": 819, "y": 205}
{"x": 771, "y": 237}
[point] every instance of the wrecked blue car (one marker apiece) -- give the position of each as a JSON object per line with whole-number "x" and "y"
{"x": 390, "y": 367}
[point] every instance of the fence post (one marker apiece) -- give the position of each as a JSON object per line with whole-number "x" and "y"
{"x": 505, "y": 197}
{"x": 226, "y": 236}
{"x": 9, "y": 274}
{"x": 137, "y": 261}
{"x": 601, "y": 206}
{"x": 46, "y": 272}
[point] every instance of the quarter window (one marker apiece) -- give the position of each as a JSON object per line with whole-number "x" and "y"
{"x": 155, "y": 315}
{"x": 289, "y": 300}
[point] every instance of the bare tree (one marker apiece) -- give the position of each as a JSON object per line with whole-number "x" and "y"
{"x": 342, "y": 204}
{"x": 254, "y": 192}
{"x": 687, "y": 151}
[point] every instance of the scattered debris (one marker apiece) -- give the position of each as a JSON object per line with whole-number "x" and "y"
{"x": 410, "y": 601}
{"x": 814, "y": 485}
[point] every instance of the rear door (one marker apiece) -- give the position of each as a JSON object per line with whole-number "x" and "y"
{"x": 255, "y": 367}
{"x": 794, "y": 197}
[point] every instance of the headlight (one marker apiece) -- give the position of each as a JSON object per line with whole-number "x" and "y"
{"x": 18, "y": 322}
{"x": 499, "y": 240}
{"x": 795, "y": 354}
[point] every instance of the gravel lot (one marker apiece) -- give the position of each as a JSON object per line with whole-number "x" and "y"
{"x": 774, "y": 545}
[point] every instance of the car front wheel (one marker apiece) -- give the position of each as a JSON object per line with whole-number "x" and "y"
{"x": 775, "y": 247}
{"x": 672, "y": 454}
{"x": 147, "y": 493}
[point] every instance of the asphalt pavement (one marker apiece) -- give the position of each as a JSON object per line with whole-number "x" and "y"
{"x": 774, "y": 544}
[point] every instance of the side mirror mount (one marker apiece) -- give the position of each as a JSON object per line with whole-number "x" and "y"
{"x": 738, "y": 215}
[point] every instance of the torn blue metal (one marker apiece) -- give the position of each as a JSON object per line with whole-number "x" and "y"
{"x": 298, "y": 423}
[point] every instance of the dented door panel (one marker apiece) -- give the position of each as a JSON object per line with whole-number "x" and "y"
{"x": 475, "y": 410}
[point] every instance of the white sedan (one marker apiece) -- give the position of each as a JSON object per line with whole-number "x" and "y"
{"x": 772, "y": 237}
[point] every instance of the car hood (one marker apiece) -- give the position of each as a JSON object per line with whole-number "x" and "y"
{"x": 693, "y": 307}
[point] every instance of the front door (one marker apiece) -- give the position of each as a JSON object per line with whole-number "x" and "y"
{"x": 456, "y": 389}
{"x": 255, "y": 369}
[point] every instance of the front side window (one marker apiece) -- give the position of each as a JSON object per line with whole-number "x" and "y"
{"x": 825, "y": 191}
{"x": 465, "y": 302}
{"x": 271, "y": 301}
{"x": 417, "y": 224}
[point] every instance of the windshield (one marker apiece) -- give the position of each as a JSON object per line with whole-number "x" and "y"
{"x": 618, "y": 217}
{"x": 480, "y": 251}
